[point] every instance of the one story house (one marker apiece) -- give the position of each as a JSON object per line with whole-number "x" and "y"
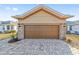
{"x": 69, "y": 25}
{"x": 7, "y": 25}
{"x": 42, "y": 22}
{"x": 73, "y": 27}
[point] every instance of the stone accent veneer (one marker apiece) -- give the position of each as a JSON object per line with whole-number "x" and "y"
{"x": 20, "y": 31}
{"x": 62, "y": 34}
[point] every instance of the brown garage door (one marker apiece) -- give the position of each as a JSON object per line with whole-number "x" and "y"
{"x": 41, "y": 31}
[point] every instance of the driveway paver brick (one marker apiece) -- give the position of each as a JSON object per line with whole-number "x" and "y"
{"x": 35, "y": 47}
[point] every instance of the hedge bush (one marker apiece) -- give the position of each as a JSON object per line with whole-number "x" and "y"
{"x": 10, "y": 31}
{"x": 68, "y": 32}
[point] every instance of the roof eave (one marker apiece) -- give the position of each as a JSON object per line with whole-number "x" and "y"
{"x": 69, "y": 16}
{"x": 63, "y": 17}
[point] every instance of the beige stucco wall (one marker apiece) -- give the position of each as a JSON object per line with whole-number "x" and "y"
{"x": 42, "y": 17}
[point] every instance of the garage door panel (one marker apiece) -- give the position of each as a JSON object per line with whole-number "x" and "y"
{"x": 41, "y": 31}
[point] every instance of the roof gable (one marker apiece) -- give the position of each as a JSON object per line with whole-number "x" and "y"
{"x": 44, "y": 8}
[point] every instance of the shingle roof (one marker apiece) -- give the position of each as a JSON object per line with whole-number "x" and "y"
{"x": 7, "y": 23}
{"x": 69, "y": 22}
{"x": 44, "y": 8}
{"x": 72, "y": 22}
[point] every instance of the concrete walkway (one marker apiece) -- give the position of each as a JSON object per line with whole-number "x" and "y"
{"x": 35, "y": 47}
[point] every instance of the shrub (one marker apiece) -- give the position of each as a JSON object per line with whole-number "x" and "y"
{"x": 69, "y": 40}
{"x": 0, "y": 31}
{"x": 68, "y": 32}
{"x": 10, "y": 31}
{"x": 13, "y": 36}
{"x": 13, "y": 39}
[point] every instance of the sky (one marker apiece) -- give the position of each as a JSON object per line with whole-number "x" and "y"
{"x": 8, "y": 10}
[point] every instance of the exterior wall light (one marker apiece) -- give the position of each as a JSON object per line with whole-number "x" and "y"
{"x": 19, "y": 25}
{"x": 64, "y": 25}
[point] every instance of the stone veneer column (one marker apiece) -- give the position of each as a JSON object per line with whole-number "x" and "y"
{"x": 20, "y": 31}
{"x": 62, "y": 34}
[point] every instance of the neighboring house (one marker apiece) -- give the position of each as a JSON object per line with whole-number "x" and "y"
{"x": 42, "y": 22}
{"x": 7, "y": 25}
{"x": 73, "y": 27}
{"x": 69, "y": 25}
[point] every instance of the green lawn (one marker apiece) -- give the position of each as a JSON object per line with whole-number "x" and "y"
{"x": 74, "y": 39}
{"x": 5, "y": 36}
{"x": 72, "y": 36}
{"x": 77, "y": 37}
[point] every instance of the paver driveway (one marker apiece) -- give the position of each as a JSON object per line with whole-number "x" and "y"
{"x": 35, "y": 47}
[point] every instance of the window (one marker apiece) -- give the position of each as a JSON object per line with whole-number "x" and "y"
{"x": 12, "y": 27}
{"x": 3, "y": 27}
{"x": 8, "y": 27}
{"x": 70, "y": 27}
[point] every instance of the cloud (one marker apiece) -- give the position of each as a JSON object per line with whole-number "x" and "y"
{"x": 8, "y": 8}
{"x": 11, "y": 8}
{"x": 15, "y": 9}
